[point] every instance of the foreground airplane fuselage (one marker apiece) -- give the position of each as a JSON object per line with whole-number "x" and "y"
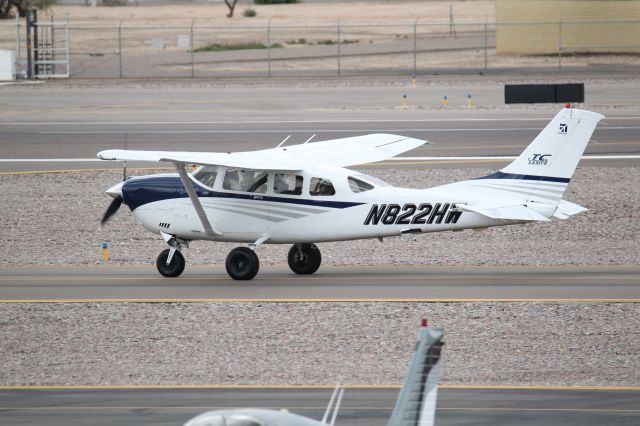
{"x": 303, "y": 194}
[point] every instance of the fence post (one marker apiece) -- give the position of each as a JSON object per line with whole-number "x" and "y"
{"x": 486, "y": 45}
{"x": 193, "y": 47}
{"x": 120, "y": 48}
{"x": 560, "y": 44}
{"x": 415, "y": 47}
{"x": 339, "y": 70}
{"x": 17, "y": 42}
{"x": 269, "y": 48}
{"x": 28, "y": 24}
{"x": 68, "y": 42}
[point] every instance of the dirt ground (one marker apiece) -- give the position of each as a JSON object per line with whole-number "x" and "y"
{"x": 293, "y": 14}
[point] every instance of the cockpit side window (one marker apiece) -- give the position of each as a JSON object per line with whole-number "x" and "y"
{"x": 357, "y": 185}
{"x": 245, "y": 180}
{"x": 321, "y": 186}
{"x": 287, "y": 184}
{"x": 206, "y": 175}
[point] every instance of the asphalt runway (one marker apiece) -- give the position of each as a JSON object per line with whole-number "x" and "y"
{"x": 401, "y": 283}
{"x": 73, "y": 124}
{"x": 360, "y": 406}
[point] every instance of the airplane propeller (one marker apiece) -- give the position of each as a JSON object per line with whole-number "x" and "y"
{"x": 112, "y": 209}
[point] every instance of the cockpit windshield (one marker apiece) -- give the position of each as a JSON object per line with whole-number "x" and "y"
{"x": 206, "y": 175}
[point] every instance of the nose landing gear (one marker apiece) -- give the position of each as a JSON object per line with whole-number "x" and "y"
{"x": 170, "y": 262}
{"x": 170, "y": 265}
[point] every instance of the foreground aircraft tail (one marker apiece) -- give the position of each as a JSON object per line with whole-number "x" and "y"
{"x": 416, "y": 403}
{"x": 532, "y": 186}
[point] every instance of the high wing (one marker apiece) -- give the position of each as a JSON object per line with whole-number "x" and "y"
{"x": 355, "y": 150}
{"x": 337, "y": 152}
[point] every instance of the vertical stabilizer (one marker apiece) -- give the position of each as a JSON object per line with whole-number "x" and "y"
{"x": 556, "y": 151}
{"x": 416, "y": 404}
{"x": 543, "y": 170}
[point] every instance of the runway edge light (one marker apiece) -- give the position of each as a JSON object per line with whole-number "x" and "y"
{"x": 424, "y": 323}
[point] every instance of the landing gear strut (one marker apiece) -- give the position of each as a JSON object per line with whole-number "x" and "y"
{"x": 304, "y": 259}
{"x": 170, "y": 262}
{"x": 242, "y": 263}
{"x": 170, "y": 267}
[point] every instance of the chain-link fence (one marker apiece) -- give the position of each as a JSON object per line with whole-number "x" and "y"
{"x": 335, "y": 49}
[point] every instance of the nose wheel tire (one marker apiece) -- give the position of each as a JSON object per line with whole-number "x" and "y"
{"x": 173, "y": 269}
{"x": 242, "y": 263}
{"x": 304, "y": 259}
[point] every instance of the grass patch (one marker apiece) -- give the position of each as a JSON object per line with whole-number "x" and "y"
{"x": 96, "y": 55}
{"x": 217, "y": 47}
{"x": 332, "y": 42}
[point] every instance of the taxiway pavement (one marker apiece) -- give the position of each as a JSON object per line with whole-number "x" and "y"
{"x": 75, "y": 123}
{"x": 277, "y": 283}
{"x": 360, "y": 406}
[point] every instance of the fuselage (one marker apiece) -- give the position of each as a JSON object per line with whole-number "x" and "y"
{"x": 319, "y": 204}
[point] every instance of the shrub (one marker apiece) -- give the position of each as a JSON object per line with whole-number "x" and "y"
{"x": 249, "y": 13}
{"x": 274, "y": 1}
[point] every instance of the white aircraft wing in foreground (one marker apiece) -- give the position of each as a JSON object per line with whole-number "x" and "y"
{"x": 303, "y": 194}
{"x": 415, "y": 406}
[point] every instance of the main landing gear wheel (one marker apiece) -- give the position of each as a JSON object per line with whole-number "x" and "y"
{"x": 174, "y": 268}
{"x": 242, "y": 263}
{"x": 304, "y": 259}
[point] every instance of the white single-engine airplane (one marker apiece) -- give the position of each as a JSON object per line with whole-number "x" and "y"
{"x": 415, "y": 405}
{"x": 303, "y": 194}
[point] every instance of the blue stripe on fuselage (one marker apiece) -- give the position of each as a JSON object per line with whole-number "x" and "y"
{"x": 141, "y": 191}
{"x": 500, "y": 175}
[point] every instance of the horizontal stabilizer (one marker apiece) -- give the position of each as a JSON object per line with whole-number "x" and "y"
{"x": 513, "y": 212}
{"x": 567, "y": 209}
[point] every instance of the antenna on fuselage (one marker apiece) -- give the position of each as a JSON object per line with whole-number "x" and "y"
{"x": 124, "y": 168}
{"x": 283, "y": 141}
{"x": 309, "y": 140}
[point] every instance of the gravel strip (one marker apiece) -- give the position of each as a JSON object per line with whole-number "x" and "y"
{"x": 52, "y": 219}
{"x": 316, "y": 343}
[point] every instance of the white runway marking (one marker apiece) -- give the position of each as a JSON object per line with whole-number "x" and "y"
{"x": 403, "y": 120}
{"x": 433, "y": 130}
{"x": 96, "y": 160}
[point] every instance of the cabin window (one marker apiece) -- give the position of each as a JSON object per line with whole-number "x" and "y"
{"x": 245, "y": 181}
{"x": 321, "y": 186}
{"x": 357, "y": 185}
{"x": 206, "y": 175}
{"x": 287, "y": 184}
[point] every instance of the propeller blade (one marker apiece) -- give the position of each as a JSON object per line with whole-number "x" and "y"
{"x": 111, "y": 210}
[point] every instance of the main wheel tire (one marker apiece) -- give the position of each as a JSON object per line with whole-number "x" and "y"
{"x": 173, "y": 269}
{"x": 306, "y": 260}
{"x": 242, "y": 263}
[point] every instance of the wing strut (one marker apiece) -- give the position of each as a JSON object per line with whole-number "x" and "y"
{"x": 208, "y": 229}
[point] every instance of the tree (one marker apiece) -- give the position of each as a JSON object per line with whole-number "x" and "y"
{"x": 21, "y": 6}
{"x": 231, "y": 4}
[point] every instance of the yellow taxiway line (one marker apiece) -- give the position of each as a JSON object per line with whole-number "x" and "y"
{"x": 311, "y": 386}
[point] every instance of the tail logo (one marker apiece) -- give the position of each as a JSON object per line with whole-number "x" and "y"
{"x": 563, "y": 128}
{"x": 539, "y": 159}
